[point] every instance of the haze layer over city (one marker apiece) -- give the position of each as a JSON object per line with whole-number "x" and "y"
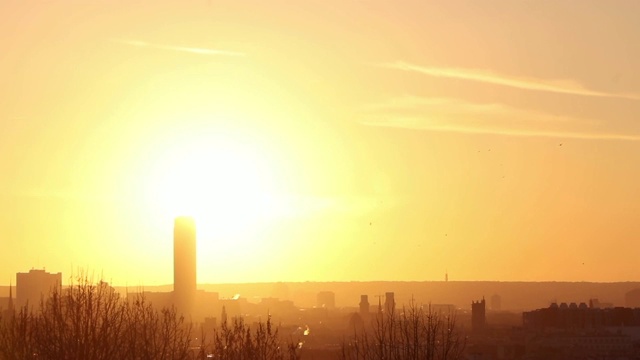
{"x": 322, "y": 140}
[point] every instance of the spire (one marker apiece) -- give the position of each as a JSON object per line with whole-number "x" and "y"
{"x": 10, "y": 295}
{"x": 223, "y": 315}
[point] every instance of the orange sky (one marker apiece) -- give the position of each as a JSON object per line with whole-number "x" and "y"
{"x": 322, "y": 140}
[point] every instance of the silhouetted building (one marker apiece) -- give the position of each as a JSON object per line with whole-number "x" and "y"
{"x": 195, "y": 305}
{"x": 389, "y": 302}
{"x": 632, "y": 298}
{"x": 574, "y": 316}
{"x": 597, "y": 304}
{"x": 496, "y": 302}
{"x": 184, "y": 264}
{"x": 233, "y": 308}
{"x": 326, "y": 299}
{"x": 34, "y": 286}
{"x": 364, "y": 305}
{"x": 478, "y": 315}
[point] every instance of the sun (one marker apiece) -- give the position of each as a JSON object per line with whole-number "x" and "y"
{"x": 224, "y": 183}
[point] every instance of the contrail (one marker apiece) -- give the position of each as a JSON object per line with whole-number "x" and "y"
{"x": 192, "y": 50}
{"x": 505, "y": 132}
{"x": 552, "y": 86}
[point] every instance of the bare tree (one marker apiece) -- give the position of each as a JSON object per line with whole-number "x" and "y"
{"x": 413, "y": 333}
{"x": 155, "y": 334}
{"x": 91, "y": 321}
{"x": 16, "y": 336}
{"x": 236, "y": 341}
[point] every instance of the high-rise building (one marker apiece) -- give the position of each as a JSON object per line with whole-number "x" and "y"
{"x": 184, "y": 264}
{"x": 34, "y": 286}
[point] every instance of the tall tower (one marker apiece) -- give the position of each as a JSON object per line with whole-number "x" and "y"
{"x": 478, "y": 316}
{"x": 389, "y": 302}
{"x": 184, "y": 264}
{"x": 364, "y": 305}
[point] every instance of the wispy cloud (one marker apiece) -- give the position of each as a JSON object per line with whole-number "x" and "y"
{"x": 452, "y": 108}
{"x": 553, "y": 86}
{"x": 454, "y": 115}
{"x": 408, "y": 123}
{"x": 191, "y": 50}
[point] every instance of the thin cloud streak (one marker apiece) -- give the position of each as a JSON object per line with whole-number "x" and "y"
{"x": 455, "y": 115}
{"x": 412, "y": 124}
{"x": 553, "y": 86}
{"x": 455, "y": 107}
{"x": 192, "y": 50}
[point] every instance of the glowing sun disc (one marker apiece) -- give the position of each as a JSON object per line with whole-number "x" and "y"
{"x": 218, "y": 181}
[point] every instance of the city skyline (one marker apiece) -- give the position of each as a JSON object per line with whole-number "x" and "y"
{"x": 322, "y": 140}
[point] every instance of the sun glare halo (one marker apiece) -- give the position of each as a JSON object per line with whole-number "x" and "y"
{"x": 224, "y": 184}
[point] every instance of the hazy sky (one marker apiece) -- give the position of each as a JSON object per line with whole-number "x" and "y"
{"x": 322, "y": 140}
